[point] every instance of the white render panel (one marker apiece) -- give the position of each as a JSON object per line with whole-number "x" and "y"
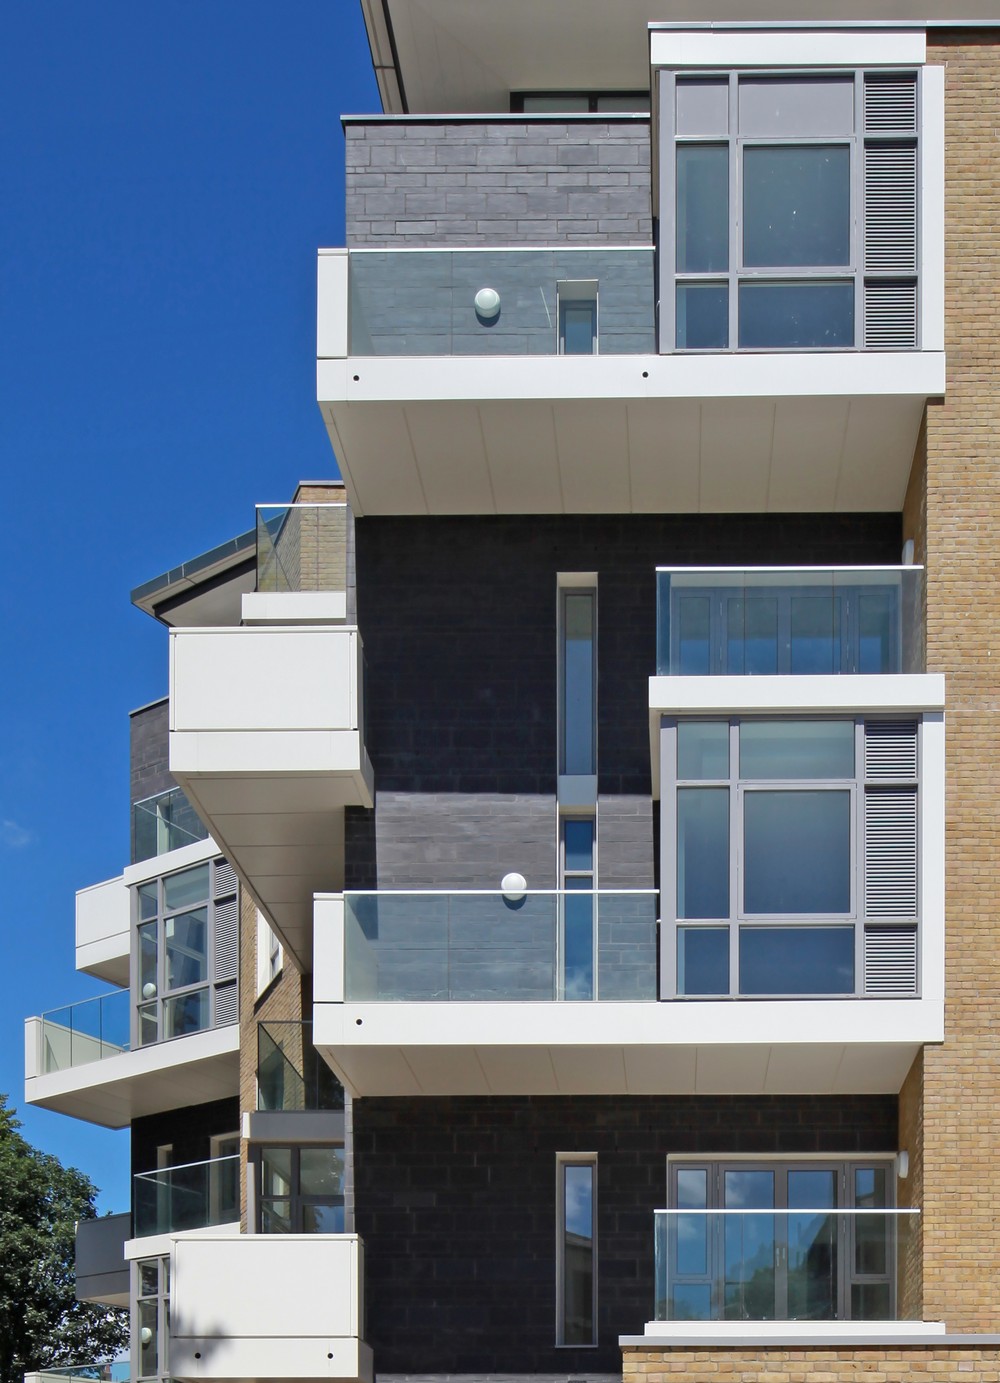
{"x": 931, "y": 239}
{"x": 913, "y": 692}
{"x": 294, "y": 607}
{"x": 267, "y": 1306}
{"x": 332, "y": 300}
{"x": 804, "y": 47}
{"x": 103, "y": 922}
{"x": 263, "y": 679}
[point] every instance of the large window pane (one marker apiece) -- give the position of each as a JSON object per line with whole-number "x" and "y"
{"x": 703, "y": 852}
{"x": 796, "y": 960}
{"x": 797, "y": 852}
{"x": 777, "y": 316}
{"x": 702, "y": 316}
{"x": 808, "y": 107}
{"x": 702, "y": 106}
{"x": 702, "y": 208}
{"x": 578, "y": 1254}
{"x": 703, "y": 960}
{"x": 191, "y": 886}
{"x": 703, "y": 749}
{"x": 796, "y": 206}
{"x": 186, "y": 948}
{"x": 187, "y": 1013}
{"x": 797, "y": 749}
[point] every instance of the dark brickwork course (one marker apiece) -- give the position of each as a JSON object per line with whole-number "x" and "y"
{"x": 187, "y": 1130}
{"x": 458, "y": 617}
{"x": 456, "y": 1203}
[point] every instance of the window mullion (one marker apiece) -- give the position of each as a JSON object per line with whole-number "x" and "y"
{"x": 735, "y": 856}
{"x": 735, "y": 211}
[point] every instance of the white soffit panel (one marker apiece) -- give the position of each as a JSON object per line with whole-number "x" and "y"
{"x": 521, "y": 446}
{"x": 663, "y": 439}
{"x": 736, "y": 441}
{"x": 805, "y": 47}
{"x": 812, "y": 487}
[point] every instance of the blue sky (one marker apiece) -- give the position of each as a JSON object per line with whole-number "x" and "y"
{"x": 167, "y": 171}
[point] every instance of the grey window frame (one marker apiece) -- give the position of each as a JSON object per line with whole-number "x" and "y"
{"x": 564, "y": 1160}
{"x": 590, "y": 889}
{"x": 162, "y": 1299}
{"x": 567, "y": 589}
{"x": 217, "y": 895}
{"x": 844, "y": 1168}
{"x": 739, "y": 918}
{"x": 296, "y": 1200}
{"x": 857, "y": 140}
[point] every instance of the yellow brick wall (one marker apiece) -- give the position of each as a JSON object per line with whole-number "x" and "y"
{"x": 955, "y": 1364}
{"x": 961, "y": 1079}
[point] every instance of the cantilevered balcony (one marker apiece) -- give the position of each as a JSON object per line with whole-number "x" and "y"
{"x": 266, "y": 738}
{"x": 81, "y": 1061}
{"x": 268, "y": 1306}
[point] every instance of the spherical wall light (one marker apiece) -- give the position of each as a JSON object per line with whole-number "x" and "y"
{"x": 487, "y": 304}
{"x": 513, "y": 886}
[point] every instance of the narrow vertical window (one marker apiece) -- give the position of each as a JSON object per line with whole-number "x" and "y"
{"x": 576, "y": 1278}
{"x": 578, "y": 907}
{"x": 578, "y": 681}
{"x": 577, "y": 317}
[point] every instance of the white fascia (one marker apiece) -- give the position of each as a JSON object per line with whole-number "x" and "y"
{"x": 195, "y": 853}
{"x": 722, "y": 48}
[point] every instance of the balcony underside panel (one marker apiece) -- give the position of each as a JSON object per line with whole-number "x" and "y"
{"x": 628, "y": 434}
{"x": 787, "y": 1047}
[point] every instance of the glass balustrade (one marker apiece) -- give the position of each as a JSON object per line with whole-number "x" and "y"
{"x": 766, "y": 621}
{"x": 808, "y": 1264}
{"x": 489, "y": 947}
{"x": 551, "y": 302}
{"x": 116, "y": 1371}
{"x": 290, "y": 1073}
{"x": 163, "y": 823}
{"x": 193, "y": 1196}
{"x": 302, "y": 547}
{"x": 86, "y": 1031}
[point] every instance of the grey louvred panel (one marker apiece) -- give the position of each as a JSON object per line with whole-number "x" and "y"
{"x": 890, "y": 102}
{"x": 227, "y": 940}
{"x": 225, "y": 878}
{"x": 891, "y": 852}
{"x": 891, "y": 207}
{"x": 890, "y": 750}
{"x": 890, "y": 960}
{"x": 890, "y": 315}
{"x": 226, "y": 1004}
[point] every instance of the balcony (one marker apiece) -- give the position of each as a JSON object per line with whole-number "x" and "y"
{"x": 197, "y": 1195}
{"x": 115, "y": 1371}
{"x": 514, "y": 426}
{"x": 576, "y": 993}
{"x": 103, "y": 930}
{"x": 266, "y": 738}
{"x": 291, "y": 1078}
{"x": 302, "y": 565}
{"x": 101, "y": 1269}
{"x": 268, "y": 1307}
{"x": 164, "y": 823}
{"x": 791, "y": 1273}
{"x": 80, "y": 1060}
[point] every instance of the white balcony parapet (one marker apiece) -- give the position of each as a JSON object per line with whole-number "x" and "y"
{"x": 263, "y": 1306}
{"x": 103, "y": 930}
{"x": 266, "y": 738}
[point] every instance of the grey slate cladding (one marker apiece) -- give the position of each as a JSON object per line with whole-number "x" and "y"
{"x": 456, "y": 1203}
{"x": 458, "y": 617}
{"x": 424, "y": 304}
{"x": 424, "y": 182}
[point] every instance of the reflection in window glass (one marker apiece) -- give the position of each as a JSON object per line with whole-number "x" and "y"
{"x": 578, "y": 328}
{"x": 185, "y": 1014}
{"x": 702, "y": 208}
{"x": 578, "y": 844}
{"x": 780, "y": 316}
{"x": 815, "y": 630}
{"x": 190, "y": 886}
{"x": 796, "y": 960}
{"x": 797, "y": 749}
{"x": 876, "y": 623}
{"x": 578, "y": 682}
{"x": 702, "y": 960}
{"x": 752, "y": 636}
{"x": 577, "y": 1254}
{"x": 702, "y": 316}
{"x": 797, "y": 853}
{"x": 703, "y": 852}
{"x": 694, "y": 629}
{"x": 578, "y": 940}
{"x": 186, "y": 948}
{"x": 703, "y": 749}
{"x": 796, "y": 206}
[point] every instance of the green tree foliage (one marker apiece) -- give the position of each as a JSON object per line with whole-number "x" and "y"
{"x": 42, "y": 1325}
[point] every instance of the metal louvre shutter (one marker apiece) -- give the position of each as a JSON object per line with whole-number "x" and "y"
{"x": 891, "y": 207}
{"x": 890, "y": 102}
{"x": 890, "y": 315}
{"x": 890, "y": 960}
{"x": 225, "y": 878}
{"x": 890, "y": 751}
{"x": 226, "y": 1004}
{"x": 890, "y": 852}
{"x": 227, "y": 941}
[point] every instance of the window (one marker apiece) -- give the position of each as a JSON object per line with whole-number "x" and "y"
{"x": 827, "y": 1251}
{"x": 577, "y": 879}
{"x": 795, "y": 210}
{"x": 270, "y": 955}
{"x": 577, "y": 680}
{"x": 301, "y": 1190}
{"x": 576, "y": 1275}
{"x": 791, "y": 857}
{"x": 577, "y": 317}
{"x": 186, "y": 952}
{"x": 150, "y": 1326}
{"x": 573, "y": 102}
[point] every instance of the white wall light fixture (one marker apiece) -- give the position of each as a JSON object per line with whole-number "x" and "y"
{"x": 487, "y": 304}
{"x": 513, "y": 886}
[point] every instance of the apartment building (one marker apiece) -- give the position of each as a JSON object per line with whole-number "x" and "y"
{"x": 558, "y": 938}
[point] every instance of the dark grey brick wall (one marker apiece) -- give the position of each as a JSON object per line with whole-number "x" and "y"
{"x": 187, "y": 1130}
{"x": 148, "y": 743}
{"x": 456, "y": 1203}
{"x": 458, "y": 617}
{"x": 498, "y": 182}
